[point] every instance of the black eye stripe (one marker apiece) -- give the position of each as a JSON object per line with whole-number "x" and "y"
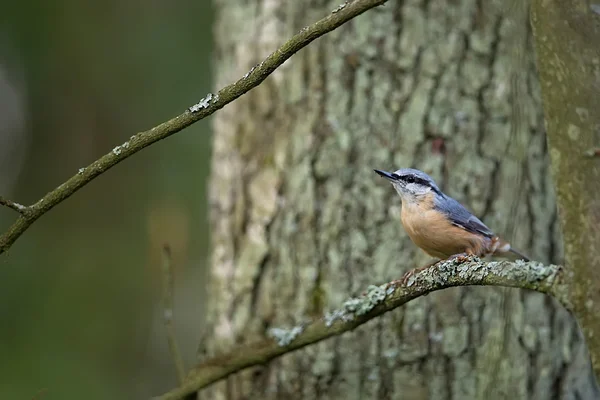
{"x": 415, "y": 179}
{"x": 412, "y": 179}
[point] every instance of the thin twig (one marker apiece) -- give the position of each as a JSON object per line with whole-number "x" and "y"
{"x": 20, "y": 208}
{"x": 376, "y": 301}
{"x": 167, "y": 273}
{"x": 205, "y": 107}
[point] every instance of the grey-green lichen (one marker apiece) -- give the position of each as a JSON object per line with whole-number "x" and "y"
{"x": 339, "y": 8}
{"x": 358, "y": 305}
{"x": 203, "y": 103}
{"x": 285, "y": 336}
{"x": 118, "y": 149}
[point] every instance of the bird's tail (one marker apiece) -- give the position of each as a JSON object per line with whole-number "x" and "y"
{"x": 518, "y": 253}
{"x": 505, "y": 247}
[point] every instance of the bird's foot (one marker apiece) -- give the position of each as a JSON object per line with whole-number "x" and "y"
{"x": 408, "y": 274}
{"x": 460, "y": 258}
{"x": 414, "y": 271}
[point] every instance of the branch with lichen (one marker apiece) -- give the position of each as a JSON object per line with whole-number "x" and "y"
{"x": 376, "y": 301}
{"x": 205, "y": 107}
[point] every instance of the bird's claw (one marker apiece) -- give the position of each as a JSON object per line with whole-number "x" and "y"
{"x": 406, "y": 275}
{"x": 460, "y": 258}
{"x": 412, "y": 272}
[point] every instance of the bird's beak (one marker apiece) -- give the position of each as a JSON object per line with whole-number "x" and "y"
{"x": 386, "y": 175}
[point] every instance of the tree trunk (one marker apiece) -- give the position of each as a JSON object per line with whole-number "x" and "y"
{"x": 568, "y": 48}
{"x": 300, "y": 221}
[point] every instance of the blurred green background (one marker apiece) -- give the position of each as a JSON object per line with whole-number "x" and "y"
{"x": 80, "y": 292}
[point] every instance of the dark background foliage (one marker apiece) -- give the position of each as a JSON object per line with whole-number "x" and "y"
{"x": 80, "y": 292}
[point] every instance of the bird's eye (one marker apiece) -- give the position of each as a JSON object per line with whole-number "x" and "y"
{"x": 409, "y": 179}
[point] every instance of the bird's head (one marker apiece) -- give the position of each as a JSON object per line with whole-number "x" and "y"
{"x": 411, "y": 184}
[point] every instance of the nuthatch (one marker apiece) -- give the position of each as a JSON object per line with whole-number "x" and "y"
{"x": 437, "y": 223}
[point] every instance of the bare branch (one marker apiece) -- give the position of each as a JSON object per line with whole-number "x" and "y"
{"x": 375, "y": 302}
{"x": 205, "y": 107}
{"x": 167, "y": 274}
{"x": 20, "y": 208}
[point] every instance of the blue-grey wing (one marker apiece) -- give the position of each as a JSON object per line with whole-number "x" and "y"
{"x": 462, "y": 217}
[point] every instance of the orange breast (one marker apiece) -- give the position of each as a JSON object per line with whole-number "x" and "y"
{"x": 434, "y": 234}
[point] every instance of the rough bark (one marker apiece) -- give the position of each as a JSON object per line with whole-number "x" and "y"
{"x": 568, "y": 47}
{"x": 297, "y": 212}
